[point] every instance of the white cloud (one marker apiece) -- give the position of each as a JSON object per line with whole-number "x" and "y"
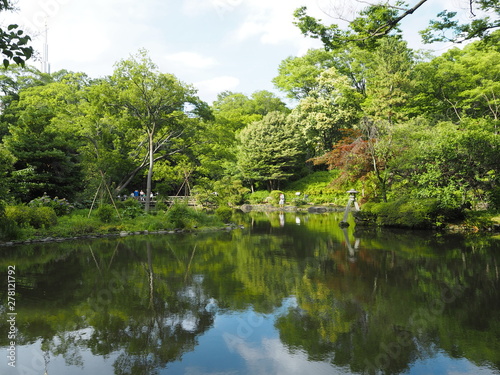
{"x": 209, "y": 88}
{"x": 272, "y": 357}
{"x": 272, "y": 23}
{"x": 191, "y": 59}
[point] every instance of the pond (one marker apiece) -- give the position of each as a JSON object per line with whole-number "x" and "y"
{"x": 288, "y": 294}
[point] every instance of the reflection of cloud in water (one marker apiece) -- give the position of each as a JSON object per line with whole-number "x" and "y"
{"x": 273, "y": 358}
{"x": 198, "y": 371}
{"x": 190, "y": 323}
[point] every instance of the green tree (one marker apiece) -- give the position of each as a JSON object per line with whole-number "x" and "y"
{"x": 455, "y": 164}
{"x": 51, "y": 164}
{"x": 217, "y": 149}
{"x": 332, "y": 106}
{"x": 13, "y": 42}
{"x": 460, "y": 83}
{"x": 298, "y": 76}
{"x": 13, "y": 80}
{"x": 271, "y": 150}
{"x": 380, "y": 19}
{"x": 158, "y": 109}
{"x": 389, "y": 80}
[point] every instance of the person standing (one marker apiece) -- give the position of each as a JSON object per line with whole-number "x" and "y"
{"x": 282, "y": 200}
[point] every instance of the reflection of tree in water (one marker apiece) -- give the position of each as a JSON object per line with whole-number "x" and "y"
{"x": 120, "y": 300}
{"x": 144, "y": 301}
{"x": 169, "y": 314}
{"x": 390, "y": 308}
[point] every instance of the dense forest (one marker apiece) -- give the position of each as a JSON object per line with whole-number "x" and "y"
{"x": 376, "y": 116}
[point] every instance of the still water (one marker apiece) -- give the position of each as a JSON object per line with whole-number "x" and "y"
{"x": 287, "y": 294}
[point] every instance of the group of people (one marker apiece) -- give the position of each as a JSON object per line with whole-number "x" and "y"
{"x": 141, "y": 195}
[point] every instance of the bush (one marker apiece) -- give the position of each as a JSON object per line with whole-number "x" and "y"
{"x": 131, "y": 208}
{"x": 224, "y": 213}
{"x": 106, "y": 213}
{"x": 37, "y": 217}
{"x": 43, "y": 217}
{"x": 8, "y": 228}
{"x": 181, "y": 216}
{"x": 258, "y": 197}
{"x": 76, "y": 225}
{"x": 60, "y": 205}
{"x": 409, "y": 213}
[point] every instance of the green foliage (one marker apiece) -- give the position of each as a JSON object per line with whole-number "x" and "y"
{"x": 275, "y": 196}
{"x": 13, "y": 42}
{"x": 131, "y": 208}
{"x": 224, "y": 213}
{"x": 315, "y": 183}
{"x": 52, "y": 163}
{"x": 106, "y": 213}
{"x": 76, "y": 225}
{"x": 60, "y": 205}
{"x": 258, "y": 197}
{"x": 376, "y": 21}
{"x": 494, "y": 198}
{"x": 409, "y": 213}
{"x": 36, "y": 217}
{"x": 8, "y": 227}
{"x": 271, "y": 150}
{"x": 181, "y": 216}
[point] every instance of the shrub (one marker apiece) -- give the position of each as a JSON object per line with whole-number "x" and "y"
{"x": 258, "y": 197}
{"x": 106, "y": 213}
{"x": 76, "y": 225}
{"x": 130, "y": 208}
{"x": 43, "y": 217}
{"x": 409, "y": 213}
{"x": 37, "y": 217}
{"x": 180, "y": 215}
{"x": 60, "y": 205}
{"x": 224, "y": 213}
{"x": 21, "y": 214}
{"x": 8, "y": 228}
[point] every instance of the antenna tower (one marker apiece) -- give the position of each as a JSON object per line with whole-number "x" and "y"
{"x": 45, "y": 53}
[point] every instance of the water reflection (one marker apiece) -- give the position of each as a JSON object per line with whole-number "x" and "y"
{"x": 290, "y": 294}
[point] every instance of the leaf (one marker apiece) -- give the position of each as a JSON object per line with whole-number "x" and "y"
{"x": 6, "y": 63}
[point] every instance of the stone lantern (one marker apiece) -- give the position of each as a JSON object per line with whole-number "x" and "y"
{"x": 352, "y": 201}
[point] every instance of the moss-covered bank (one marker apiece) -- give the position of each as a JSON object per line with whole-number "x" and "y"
{"x": 425, "y": 214}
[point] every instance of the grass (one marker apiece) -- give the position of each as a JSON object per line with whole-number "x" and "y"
{"x": 79, "y": 223}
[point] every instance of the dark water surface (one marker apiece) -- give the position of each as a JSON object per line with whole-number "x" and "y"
{"x": 286, "y": 295}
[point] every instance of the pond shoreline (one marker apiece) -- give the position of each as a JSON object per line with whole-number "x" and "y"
{"x": 227, "y": 227}
{"x": 246, "y": 208}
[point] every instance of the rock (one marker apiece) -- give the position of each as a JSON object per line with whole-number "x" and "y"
{"x": 246, "y": 208}
{"x": 317, "y": 210}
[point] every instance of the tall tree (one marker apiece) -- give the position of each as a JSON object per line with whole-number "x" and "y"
{"x": 45, "y": 148}
{"x": 298, "y": 76}
{"x": 332, "y": 106}
{"x": 271, "y": 150}
{"x": 380, "y": 19}
{"x": 156, "y": 107}
{"x": 389, "y": 80}
{"x": 458, "y": 84}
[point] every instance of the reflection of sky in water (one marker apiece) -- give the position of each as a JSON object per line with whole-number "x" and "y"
{"x": 31, "y": 361}
{"x": 248, "y": 343}
{"x": 441, "y": 364}
{"x": 243, "y": 343}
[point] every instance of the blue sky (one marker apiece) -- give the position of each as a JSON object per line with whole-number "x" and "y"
{"x": 215, "y": 45}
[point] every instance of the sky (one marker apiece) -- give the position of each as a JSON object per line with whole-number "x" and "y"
{"x": 215, "y": 45}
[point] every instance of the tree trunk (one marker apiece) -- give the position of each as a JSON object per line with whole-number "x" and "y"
{"x": 150, "y": 172}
